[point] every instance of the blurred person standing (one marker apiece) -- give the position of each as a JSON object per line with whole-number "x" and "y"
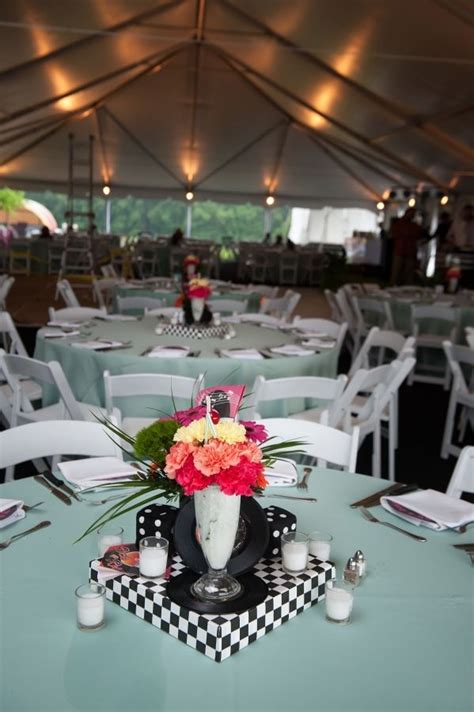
{"x": 405, "y": 234}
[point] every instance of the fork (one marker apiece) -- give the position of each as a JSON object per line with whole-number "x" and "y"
{"x": 370, "y": 518}
{"x": 304, "y": 482}
{"x": 29, "y": 507}
{"x": 7, "y": 542}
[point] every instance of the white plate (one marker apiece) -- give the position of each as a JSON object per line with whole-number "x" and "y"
{"x": 251, "y": 354}
{"x": 96, "y": 471}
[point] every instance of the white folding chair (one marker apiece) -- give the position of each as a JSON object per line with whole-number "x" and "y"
{"x": 54, "y": 438}
{"x": 319, "y": 388}
{"x": 177, "y": 388}
{"x": 102, "y": 290}
{"x": 12, "y": 344}
{"x": 76, "y": 314}
{"x": 382, "y": 340}
{"x": 228, "y": 306}
{"x": 125, "y": 304}
{"x": 264, "y": 290}
{"x": 460, "y": 361}
{"x": 282, "y": 307}
{"x": 324, "y": 326}
{"x": 446, "y": 320}
{"x": 259, "y": 318}
{"x": 349, "y": 317}
{"x": 336, "y": 313}
{"x": 325, "y": 444}
{"x": 63, "y": 287}
{"x": 162, "y": 311}
{"x": 470, "y": 336}
{"x": 369, "y": 313}
{"x": 293, "y": 300}
{"x": 462, "y": 479}
{"x": 5, "y": 287}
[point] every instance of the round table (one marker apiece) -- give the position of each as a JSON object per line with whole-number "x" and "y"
{"x": 169, "y": 298}
{"x": 84, "y": 369}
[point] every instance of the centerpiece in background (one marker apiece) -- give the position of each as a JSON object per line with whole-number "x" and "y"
{"x": 196, "y": 291}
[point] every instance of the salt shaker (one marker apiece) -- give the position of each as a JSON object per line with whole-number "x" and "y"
{"x": 351, "y": 572}
{"x": 361, "y": 562}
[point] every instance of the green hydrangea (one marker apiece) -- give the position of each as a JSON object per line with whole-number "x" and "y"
{"x": 154, "y": 442}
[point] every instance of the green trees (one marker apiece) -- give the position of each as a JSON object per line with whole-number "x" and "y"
{"x": 10, "y": 200}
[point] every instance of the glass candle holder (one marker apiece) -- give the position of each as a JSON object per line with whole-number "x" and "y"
{"x": 294, "y": 552}
{"x": 320, "y": 545}
{"x": 108, "y": 535}
{"x": 339, "y": 601}
{"x": 153, "y": 557}
{"x": 90, "y": 606}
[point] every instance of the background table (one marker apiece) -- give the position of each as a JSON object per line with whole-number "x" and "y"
{"x": 84, "y": 369}
{"x": 169, "y": 298}
{"x": 408, "y": 649}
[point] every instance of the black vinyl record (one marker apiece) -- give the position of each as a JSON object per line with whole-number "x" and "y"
{"x": 251, "y": 541}
{"x": 254, "y": 591}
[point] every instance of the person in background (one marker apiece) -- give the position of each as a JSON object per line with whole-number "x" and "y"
{"x": 267, "y": 240}
{"x": 177, "y": 238}
{"x": 279, "y": 241}
{"x": 45, "y": 233}
{"x": 443, "y": 228}
{"x": 461, "y": 233}
{"x": 405, "y": 234}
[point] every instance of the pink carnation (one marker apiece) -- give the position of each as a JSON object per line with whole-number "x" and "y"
{"x": 254, "y": 431}
{"x": 176, "y": 457}
{"x": 240, "y": 478}
{"x": 191, "y": 479}
{"x": 216, "y": 456}
{"x": 185, "y": 417}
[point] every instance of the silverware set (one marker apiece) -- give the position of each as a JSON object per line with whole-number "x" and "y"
{"x": 15, "y": 537}
{"x": 303, "y": 484}
{"x": 288, "y": 496}
{"x": 370, "y": 518}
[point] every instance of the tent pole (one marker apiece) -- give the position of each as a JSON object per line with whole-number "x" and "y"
{"x": 267, "y": 220}
{"x": 108, "y": 215}
{"x": 189, "y": 218}
{"x": 35, "y": 143}
{"x": 103, "y": 150}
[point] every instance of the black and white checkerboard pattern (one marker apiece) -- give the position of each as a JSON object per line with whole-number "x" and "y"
{"x": 193, "y": 332}
{"x": 220, "y": 636}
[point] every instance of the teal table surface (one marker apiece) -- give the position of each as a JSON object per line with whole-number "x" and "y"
{"x": 409, "y": 647}
{"x": 84, "y": 369}
{"x": 169, "y": 298}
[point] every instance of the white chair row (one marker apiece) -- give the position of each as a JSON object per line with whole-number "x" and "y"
{"x": 461, "y": 363}
{"x": 5, "y": 287}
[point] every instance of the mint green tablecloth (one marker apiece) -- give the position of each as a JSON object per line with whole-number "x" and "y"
{"x": 84, "y": 369}
{"x": 409, "y": 647}
{"x": 169, "y": 298}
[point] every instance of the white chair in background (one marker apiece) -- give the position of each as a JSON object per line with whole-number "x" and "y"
{"x": 109, "y": 271}
{"x": 102, "y": 290}
{"x": 382, "y": 340}
{"x": 179, "y": 388}
{"x": 63, "y": 287}
{"x": 76, "y": 314}
{"x": 125, "y": 304}
{"x": 336, "y": 312}
{"x": 293, "y": 301}
{"x": 462, "y": 479}
{"x": 349, "y": 317}
{"x": 264, "y": 290}
{"x": 460, "y": 360}
{"x": 325, "y": 444}
{"x": 324, "y": 326}
{"x": 228, "y": 306}
{"x": 5, "y": 287}
{"x": 319, "y": 388}
{"x": 368, "y": 312}
{"x": 259, "y": 318}
{"x": 12, "y": 344}
{"x": 470, "y": 336}
{"x": 446, "y": 318}
{"x": 281, "y": 307}
{"x": 54, "y": 438}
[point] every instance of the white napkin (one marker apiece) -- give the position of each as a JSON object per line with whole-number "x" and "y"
{"x": 319, "y": 343}
{"x": 58, "y": 334}
{"x": 251, "y": 354}
{"x": 96, "y": 471}
{"x": 119, "y": 317}
{"x": 65, "y": 324}
{"x": 282, "y": 474}
{"x": 11, "y": 510}
{"x": 291, "y": 350}
{"x": 97, "y": 345}
{"x": 169, "y": 352}
{"x": 430, "y": 508}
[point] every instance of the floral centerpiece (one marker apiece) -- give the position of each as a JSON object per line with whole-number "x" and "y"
{"x": 197, "y": 290}
{"x": 216, "y": 460}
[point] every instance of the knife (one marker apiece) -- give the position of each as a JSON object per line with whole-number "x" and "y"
{"x": 374, "y": 499}
{"x": 52, "y": 479}
{"x": 57, "y": 493}
{"x": 288, "y": 496}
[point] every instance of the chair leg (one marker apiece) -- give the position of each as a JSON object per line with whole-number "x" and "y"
{"x": 449, "y": 426}
{"x": 10, "y": 473}
{"x": 376, "y": 452}
{"x": 392, "y": 433}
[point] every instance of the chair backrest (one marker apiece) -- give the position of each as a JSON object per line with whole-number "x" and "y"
{"x": 138, "y": 303}
{"x": 109, "y": 271}
{"x": 293, "y": 299}
{"x": 321, "y": 442}
{"x": 373, "y": 381}
{"x": 5, "y": 287}
{"x": 326, "y": 326}
{"x": 154, "y": 384}
{"x": 102, "y": 289}
{"x": 460, "y": 359}
{"x": 162, "y": 311}
{"x": 75, "y": 313}
{"x": 264, "y": 290}
{"x": 345, "y": 307}
{"x": 317, "y": 387}
{"x": 370, "y": 310}
{"x": 336, "y": 312}
{"x": 421, "y": 312}
{"x": 462, "y": 479}
{"x": 382, "y": 340}
{"x": 229, "y": 306}
{"x": 51, "y": 374}
{"x": 64, "y": 288}
{"x": 10, "y": 334}
{"x": 55, "y": 437}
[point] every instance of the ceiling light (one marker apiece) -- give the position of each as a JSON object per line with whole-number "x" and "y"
{"x": 269, "y": 200}
{"x": 412, "y": 203}
{"x": 380, "y": 205}
{"x": 189, "y": 195}
{"x": 106, "y": 190}
{"x": 444, "y": 200}
{"x": 386, "y": 194}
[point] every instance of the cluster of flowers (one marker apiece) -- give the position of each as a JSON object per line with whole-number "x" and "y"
{"x": 198, "y": 288}
{"x": 225, "y": 453}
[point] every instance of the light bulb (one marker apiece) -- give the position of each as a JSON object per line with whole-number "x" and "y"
{"x": 411, "y": 203}
{"x": 444, "y": 200}
{"x": 189, "y": 195}
{"x": 380, "y": 205}
{"x": 270, "y": 200}
{"x": 106, "y": 190}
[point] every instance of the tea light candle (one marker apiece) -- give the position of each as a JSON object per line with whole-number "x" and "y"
{"x": 109, "y": 535}
{"x": 320, "y": 545}
{"x": 90, "y": 606}
{"x": 217, "y": 319}
{"x": 294, "y": 552}
{"x": 153, "y": 557}
{"x": 339, "y": 601}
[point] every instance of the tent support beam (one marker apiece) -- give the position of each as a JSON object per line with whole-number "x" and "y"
{"x": 36, "y": 142}
{"x": 407, "y": 166}
{"x": 278, "y": 159}
{"x": 198, "y": 39}
{"x": 142, "y": 147}
{"x": 240, "y": 152}
{"x": 45, "y": 123}
{"x": 426, "y": 128}
{"x": 83, "y": 41}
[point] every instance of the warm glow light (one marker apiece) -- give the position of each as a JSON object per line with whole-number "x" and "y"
{"x": 380, "y": 205}
{"x": 386, "y": 194}
{"x": 444, "y": 200}
{"x": 411, "y": 203}
{"x": 189, "y": 195}
{"x": 106, "y": 190}
{"x": 270, "y": 200}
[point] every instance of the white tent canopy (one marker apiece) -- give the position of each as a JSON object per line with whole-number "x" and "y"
{"x": 320, "y": 103}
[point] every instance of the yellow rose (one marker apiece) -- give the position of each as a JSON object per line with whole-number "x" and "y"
{"x": 189, "y": 433}
{"x": 230, "y": 432}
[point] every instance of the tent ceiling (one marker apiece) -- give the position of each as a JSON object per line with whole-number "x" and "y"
{"x": 322, "y": 103}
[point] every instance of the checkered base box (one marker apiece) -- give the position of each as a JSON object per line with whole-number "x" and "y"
{"x": 220, "y": 636}
{"x": 196, "y": 332}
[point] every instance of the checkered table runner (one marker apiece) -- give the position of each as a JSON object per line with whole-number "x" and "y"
{"x": 193, "y": 332}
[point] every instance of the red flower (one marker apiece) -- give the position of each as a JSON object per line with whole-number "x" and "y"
{"x": 240, "y": 478}
{"x": 254, "y": 431}
{"x": 184, "y": 417}
{"x": 190, "y": 479}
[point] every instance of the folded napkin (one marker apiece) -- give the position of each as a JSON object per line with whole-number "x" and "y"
{"x": 96, "y": 471}
{"x": 319, "y": 343}
{"x": 430, "y": 508}
{"x": 169, "y": 352}
{"x": 58, "y": 334}
{"x": 98, "y": 345}
{"x": 291, "y": 350}
{"x": 282, "y": 474}
{"x": 65, "y": 324}
{"x": 251, "y": 354}
{"x": 119, "y": 317}
{"x": 11, "y": 510}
